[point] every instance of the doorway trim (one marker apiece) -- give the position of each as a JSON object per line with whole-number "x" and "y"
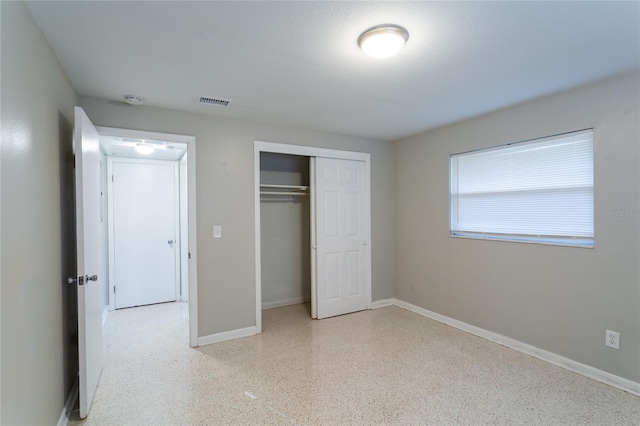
{"x": 307, "y": 151}
{"x": 191, "y": 194}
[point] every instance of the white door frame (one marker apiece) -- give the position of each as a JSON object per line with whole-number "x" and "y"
{"x": 191, "y": 191}
{"x": 111, "y": 215}
{"x": 307, "y": 151}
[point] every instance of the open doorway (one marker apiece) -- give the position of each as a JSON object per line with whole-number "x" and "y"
{"x": 285, "y": 230}
{"x": 150, "y": 199}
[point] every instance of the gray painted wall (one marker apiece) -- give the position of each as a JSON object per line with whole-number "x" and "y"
{"x": 285, "y": 231}
{"x": 560, "y": 299}
{"x": 36, "y": 98}
{"x": 224, "y": 170}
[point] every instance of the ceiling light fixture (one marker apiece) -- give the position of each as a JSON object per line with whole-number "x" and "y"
{"x": 383, "y": 41}
{"x": 144, "y": 148}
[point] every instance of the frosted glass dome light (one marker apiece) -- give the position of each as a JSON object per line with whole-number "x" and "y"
{"x": 144, "y": 148}
{"x": 383, "y": 41}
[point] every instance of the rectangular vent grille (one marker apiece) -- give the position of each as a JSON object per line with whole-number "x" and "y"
{"x": 213, "y": 101}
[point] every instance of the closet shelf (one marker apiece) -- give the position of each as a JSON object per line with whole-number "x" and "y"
{"x": 288, "y": 194}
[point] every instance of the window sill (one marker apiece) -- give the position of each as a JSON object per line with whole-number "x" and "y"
{"x": 524, "y": 241}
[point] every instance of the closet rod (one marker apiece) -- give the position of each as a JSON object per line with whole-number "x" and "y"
{"x": 282, "y": 193}
{"x": 303, "y": 188}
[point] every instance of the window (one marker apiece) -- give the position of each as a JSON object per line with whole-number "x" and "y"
{"x": 538, "y": 191}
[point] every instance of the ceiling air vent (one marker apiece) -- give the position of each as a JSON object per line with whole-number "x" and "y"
{"x": 213, "y": 101}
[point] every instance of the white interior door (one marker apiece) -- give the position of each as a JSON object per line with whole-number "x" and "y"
{"x": 145, "y": 233}
{"x": 342, "y": 255}
{"x": 88, "y": 207}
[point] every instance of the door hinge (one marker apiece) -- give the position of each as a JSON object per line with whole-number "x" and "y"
{"x": 112, "y": 178}
{"x": 114, "y": 289}
{"x": 189, "y": 255}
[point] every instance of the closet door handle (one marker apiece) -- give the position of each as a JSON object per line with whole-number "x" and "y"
{"x": 364, "y": 243}
{"x": 315, "y": 247}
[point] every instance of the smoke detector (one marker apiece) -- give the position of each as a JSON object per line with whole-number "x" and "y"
{"x": 133, "y": 100}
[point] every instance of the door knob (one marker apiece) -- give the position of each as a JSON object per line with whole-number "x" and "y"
{"x": 170, "y": 242}
{"x": 81, "y": 280}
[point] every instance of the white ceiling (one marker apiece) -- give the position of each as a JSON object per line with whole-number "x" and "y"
{"x": 126, "y": 147}
{"x": 297, "y": 63}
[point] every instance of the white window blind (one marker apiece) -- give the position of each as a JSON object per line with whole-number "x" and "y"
{"x": 534, "y": 191}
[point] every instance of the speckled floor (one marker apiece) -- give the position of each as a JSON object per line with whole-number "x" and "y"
{"x": 386, "y": 366}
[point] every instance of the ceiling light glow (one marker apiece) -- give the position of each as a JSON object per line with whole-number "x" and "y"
{"x": 383, "y": 41}
{"x": 144, "y": 148}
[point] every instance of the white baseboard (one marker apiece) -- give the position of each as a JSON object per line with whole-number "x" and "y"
{"x": 382, "y": 303}
{"x": 227, "y": 335}
{"x": 285, "y": 302}
{"x": 105, "y": 314}
{"x": 566, "y": 363}
{"x": 68, "y": 406}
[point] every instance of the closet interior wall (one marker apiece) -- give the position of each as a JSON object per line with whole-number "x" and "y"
{"x": 285, "y": 232}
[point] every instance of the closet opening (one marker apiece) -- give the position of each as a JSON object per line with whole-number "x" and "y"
{"x": 285, "y": 223}
{"x": 312, "y": 229}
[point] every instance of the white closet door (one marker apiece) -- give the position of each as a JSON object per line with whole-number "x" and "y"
{"x": 342, "y": 254}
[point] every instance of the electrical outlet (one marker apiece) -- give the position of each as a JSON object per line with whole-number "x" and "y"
{"x": 612, "y": 339}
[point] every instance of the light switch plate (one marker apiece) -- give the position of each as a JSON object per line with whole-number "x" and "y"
{"x": 217, "y": 231}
